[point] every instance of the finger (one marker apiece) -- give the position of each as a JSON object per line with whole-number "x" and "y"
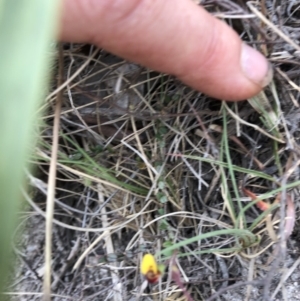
{"x": 176, "y": 37}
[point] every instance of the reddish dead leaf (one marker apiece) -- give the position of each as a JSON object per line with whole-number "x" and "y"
{"x": 260, "y": 204}
{"x": 175, "y": 275}
{"x": 290, "y": 211}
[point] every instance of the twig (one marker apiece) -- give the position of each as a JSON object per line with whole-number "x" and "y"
{"x": 117, "y": 285}
{"x": 250, "y": 124}
{"x": 69, "y": 260}
{"x": 74, "y": 75}
{"x": 296, "y": 87}
{"x": 52, "y": 185}
{"x": 233, "y": 286}
{"x": 271, "y": 25}
{"x": 285, "y": 277}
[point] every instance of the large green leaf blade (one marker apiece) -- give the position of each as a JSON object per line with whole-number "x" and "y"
{"x": 26, "y": 31}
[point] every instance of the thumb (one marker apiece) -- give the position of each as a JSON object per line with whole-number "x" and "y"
{"x": 176, "y": 37}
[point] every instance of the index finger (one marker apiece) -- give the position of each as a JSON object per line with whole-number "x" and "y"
{"x": 176, "y": 37}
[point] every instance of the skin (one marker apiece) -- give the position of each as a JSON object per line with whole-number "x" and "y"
{"x": 176, "y": 37}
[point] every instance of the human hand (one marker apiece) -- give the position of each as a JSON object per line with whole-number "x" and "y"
{"x": 176, "y": 37}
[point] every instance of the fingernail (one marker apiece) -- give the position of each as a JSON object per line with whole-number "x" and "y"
{"x": 255, "y": 66}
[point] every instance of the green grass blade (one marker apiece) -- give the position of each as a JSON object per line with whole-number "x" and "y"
{"x": 243, "y": 234}
{"x": 250, "y": 172}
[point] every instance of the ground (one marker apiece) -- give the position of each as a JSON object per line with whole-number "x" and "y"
{"x": 147, "y": 165}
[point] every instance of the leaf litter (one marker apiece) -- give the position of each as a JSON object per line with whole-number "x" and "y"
{"x": 145, "y": 163}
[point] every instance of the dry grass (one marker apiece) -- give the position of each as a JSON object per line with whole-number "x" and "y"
{"x": 145, "y": 164}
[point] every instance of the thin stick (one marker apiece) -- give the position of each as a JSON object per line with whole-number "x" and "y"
{"x": 59, "y": 89}
{"x": 250, "y": 124}
{"x": 234, "y": 286}
{"x": 272, "y": 26}
{"x": 285, "y": 276}
{"x": 117, "y": 285}
{"x": 52, "y": 185}
{"x": 296, "y": 87}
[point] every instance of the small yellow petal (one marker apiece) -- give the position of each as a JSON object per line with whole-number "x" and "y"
{"x": 149, "y": 265}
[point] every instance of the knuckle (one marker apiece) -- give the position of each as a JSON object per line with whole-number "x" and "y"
{"x": 205, "y": 56}
{"x": 212, "y": 52}
{"x": 122, "y": 10}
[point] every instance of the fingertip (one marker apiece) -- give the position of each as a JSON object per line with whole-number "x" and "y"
{"x": 255, "y": 66}
{"x": 224, "y": 67}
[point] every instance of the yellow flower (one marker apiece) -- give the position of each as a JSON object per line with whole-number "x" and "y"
{"x": 150, "y": 269}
